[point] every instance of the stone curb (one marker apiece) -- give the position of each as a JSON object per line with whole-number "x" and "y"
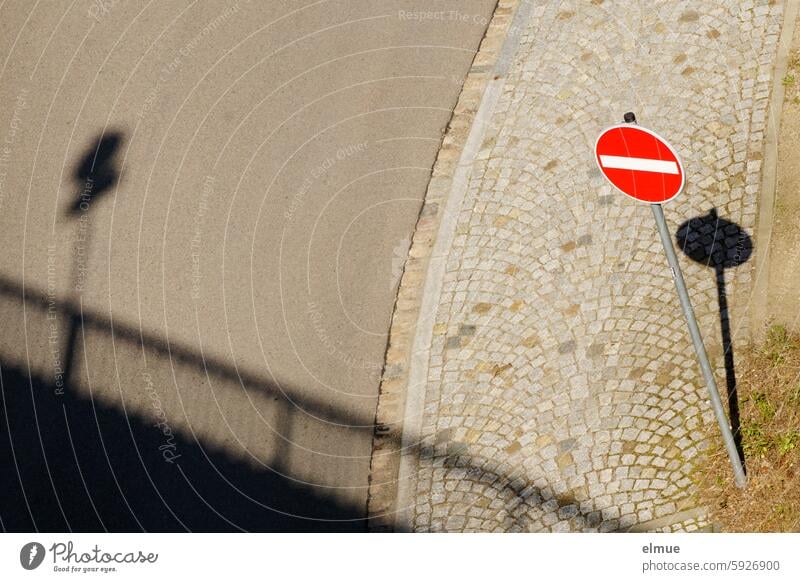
{"x": 769, "y": 178}
{"x": 386, "y": 447}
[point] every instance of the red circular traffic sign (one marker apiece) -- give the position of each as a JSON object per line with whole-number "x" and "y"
{"x": 640, "y": 163}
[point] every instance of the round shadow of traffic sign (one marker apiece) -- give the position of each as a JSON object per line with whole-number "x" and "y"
{"x": 714, "y": 241}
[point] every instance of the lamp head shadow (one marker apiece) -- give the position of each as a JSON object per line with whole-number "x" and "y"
{"x": 714, "y": 241}
{"x": 96, "y": 173}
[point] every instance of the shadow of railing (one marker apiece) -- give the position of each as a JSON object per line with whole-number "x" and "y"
{"x": 74, "y": 464}
{"x": 137, "y": 439}
{"x": 109, "y": 428}
{"x": 95, "y": 457}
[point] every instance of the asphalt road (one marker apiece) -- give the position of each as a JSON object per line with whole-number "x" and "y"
{"x": 204, "y": 212}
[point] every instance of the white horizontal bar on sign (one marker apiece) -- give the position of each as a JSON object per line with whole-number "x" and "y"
{"x": 641, "y": 164}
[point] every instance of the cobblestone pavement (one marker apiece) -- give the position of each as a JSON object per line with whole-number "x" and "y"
{"x": 562, "y": 391}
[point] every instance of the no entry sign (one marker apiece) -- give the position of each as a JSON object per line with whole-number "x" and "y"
{"x": 639, "y": 163}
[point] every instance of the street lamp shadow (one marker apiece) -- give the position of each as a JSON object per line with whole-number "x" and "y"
{"x": 720, "y": 244}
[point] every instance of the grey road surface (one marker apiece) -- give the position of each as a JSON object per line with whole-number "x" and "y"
{"x": 204, "y": 212}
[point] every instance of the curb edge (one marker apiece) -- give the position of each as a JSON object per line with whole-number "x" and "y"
{"x": 489, "y": 64}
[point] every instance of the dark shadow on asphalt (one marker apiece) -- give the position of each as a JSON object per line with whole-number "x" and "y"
{"x": 96, "y": 174}
{"x": 720, "y": 244}
{"x": 72, "y": 463}
{"x": 76, "y": 463}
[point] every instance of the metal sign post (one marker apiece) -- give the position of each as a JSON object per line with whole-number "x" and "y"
{"x": 644, "y": 166}
{"x": 699, "y": 347}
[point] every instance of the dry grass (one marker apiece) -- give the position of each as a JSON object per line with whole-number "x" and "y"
{"x": 769, "y": 399}
{"x": 792, "y": 94}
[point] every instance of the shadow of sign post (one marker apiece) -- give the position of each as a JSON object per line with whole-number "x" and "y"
{"x": 95, "y": 175}
{"x": 718, "y": 243}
